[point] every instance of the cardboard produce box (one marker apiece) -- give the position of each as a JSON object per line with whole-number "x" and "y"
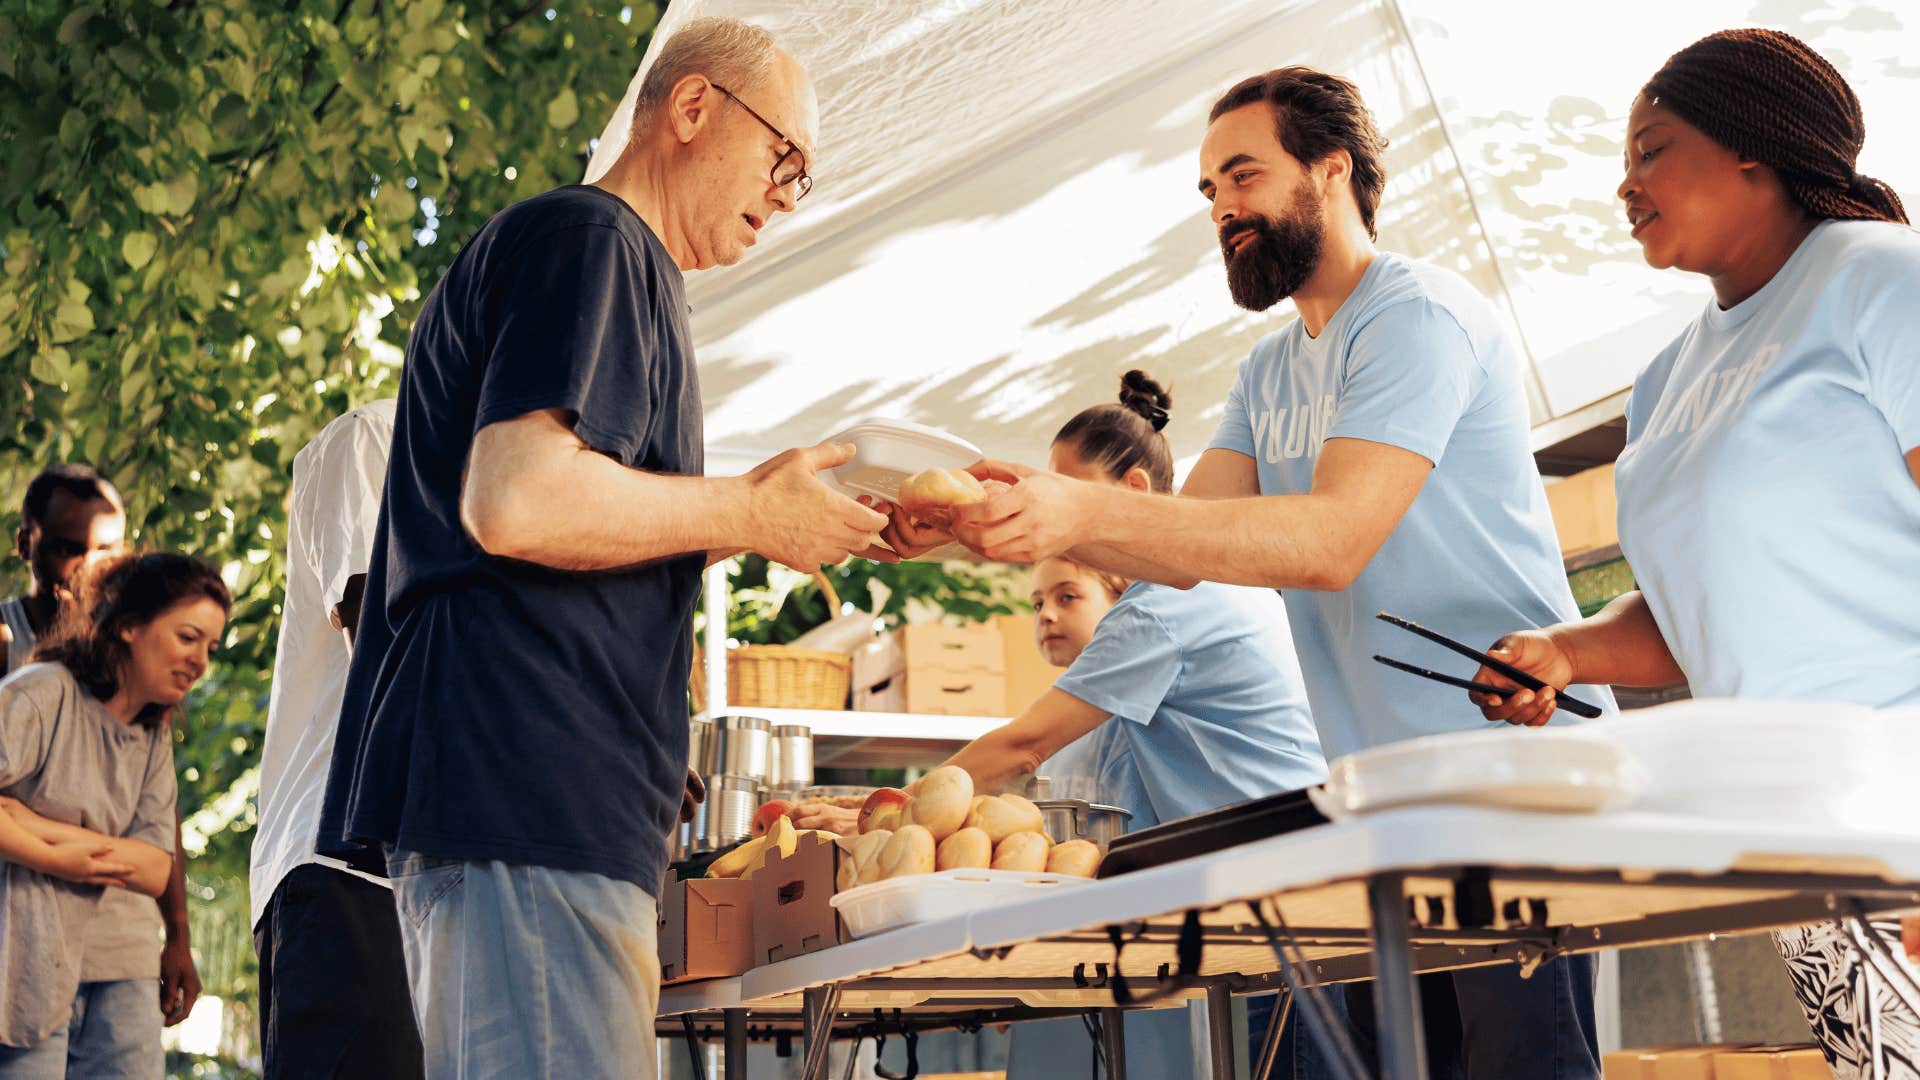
{"x": 705, "y": 928}
{"x": 975, "y": 647}
{"x": 934, "y": 669}
{"x": 792, "y": 913}
{"x": 1664, "y": 1062}
{"x": 880, "y": 676}
{"x": 1772, "y": 1063}
{"x": 1583, "y": 510}
{"x": 1028, "y": 673}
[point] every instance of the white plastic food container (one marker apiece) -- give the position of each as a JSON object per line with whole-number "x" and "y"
{"x": 919, "y": 898}
{"x": 1568, "y": 771}
{"x": 889, "y": 451}
{"x": 1796, "y": 763}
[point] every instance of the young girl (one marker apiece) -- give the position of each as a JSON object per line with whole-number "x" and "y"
{"x": 86, "y": 772}
{"x": 1069, "y": 600}
{"x": 1770, "y": 489}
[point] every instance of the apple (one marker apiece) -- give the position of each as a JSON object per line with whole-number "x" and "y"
{"x": 883, "y": 809}
{"x": 770, "y": 811}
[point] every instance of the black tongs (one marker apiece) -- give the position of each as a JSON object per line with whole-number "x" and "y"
{"x": 1566, "y": 701}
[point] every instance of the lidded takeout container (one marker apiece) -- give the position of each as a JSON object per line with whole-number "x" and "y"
{"x": 889, "y": 451}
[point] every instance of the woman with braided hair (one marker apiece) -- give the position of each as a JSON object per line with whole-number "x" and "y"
{"x": 1769, "y": 494}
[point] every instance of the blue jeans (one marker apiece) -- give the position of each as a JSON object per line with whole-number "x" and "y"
{"x": 1481, "y": 1023}
{"x": 526, "y": 971}
{"x": 114, "y": 1034}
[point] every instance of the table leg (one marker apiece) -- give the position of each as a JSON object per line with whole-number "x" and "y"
{"x": 818, "y": 1004}
{"x": 1270, "y": 1042}
{"x": 736, "y": 1044}
{"x": 1220, "y": 1030}
{"x": 1113, "y": 1031}
{"x": 1396, "y": 990}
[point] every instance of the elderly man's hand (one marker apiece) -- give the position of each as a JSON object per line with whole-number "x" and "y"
{"x": 695, "y": 794}
{"x": 801, "y": 522}
{"x": 1041, "y": 515}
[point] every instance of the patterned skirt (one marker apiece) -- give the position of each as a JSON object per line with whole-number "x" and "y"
{"x": 1862, "y": 998}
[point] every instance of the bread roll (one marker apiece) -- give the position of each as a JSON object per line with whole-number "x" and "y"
{"x": 934, "y": 490}
{"x": 1076, "y": 858}
{"x": 1003, "y": 815}
{"x": 968, "y": 849}
{"x": 1022, "y": 851}
{"x": 908, "y": 851}
{"x": 940, "y": 801}
{"x": 856, "y": 866}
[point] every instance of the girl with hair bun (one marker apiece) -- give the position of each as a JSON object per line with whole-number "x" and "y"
{"x": 1769, "y": 493}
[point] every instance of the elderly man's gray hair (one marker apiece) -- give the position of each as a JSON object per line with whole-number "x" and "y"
{"x": 735, "y": 54}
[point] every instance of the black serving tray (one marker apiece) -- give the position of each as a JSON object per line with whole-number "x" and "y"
{"x": 1215, "y": 830}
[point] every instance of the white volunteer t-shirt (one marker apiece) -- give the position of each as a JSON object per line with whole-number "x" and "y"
{"x": 337, "y": 480}
{"x": 1765, "y": 503}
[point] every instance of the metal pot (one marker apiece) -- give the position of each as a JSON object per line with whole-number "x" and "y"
{"x": 742, "y": 747}
{"x": 726, "y": 816}
{"x": 792, "y": 767}
{"x": 1077, "y": 819}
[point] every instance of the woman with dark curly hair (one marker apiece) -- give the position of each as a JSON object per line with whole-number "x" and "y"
{"x": 1769, "y": 494}
{"x": 87, "y": 790}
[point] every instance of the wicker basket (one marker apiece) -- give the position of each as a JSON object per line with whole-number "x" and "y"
{"x": 780, "y": 676}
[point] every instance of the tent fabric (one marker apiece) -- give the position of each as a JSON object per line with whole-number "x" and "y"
{"x": 1005, "y": 216}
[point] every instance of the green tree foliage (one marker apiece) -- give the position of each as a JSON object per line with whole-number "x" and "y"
{"x": 217, "y": 222}
{"x": 772, "y": 605}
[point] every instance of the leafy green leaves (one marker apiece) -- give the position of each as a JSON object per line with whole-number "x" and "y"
{"x": 210, "y": 245}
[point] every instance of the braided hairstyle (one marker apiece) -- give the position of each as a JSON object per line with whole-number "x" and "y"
{"x": 1770, "y": 98}
{"x": 1123, "y": 437}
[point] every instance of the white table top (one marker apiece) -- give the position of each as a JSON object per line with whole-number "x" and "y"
{"x": 1413, "y": 839}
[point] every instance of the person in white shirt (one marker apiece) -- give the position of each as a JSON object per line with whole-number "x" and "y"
{"x": 333, "y": 977}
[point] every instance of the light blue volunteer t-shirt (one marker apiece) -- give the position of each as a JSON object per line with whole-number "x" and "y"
{"x": 1764, "y": 500}
{"x": 1207, "y": 701}
{"x": 1415, "y": 358}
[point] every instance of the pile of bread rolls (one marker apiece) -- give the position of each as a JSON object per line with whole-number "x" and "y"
{"x": 943, "y": 825}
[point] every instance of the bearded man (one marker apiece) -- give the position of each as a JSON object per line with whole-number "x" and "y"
{"x": 1374, "y": 456}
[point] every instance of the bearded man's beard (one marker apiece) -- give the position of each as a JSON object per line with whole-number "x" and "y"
{"x": 1279, "y": 257}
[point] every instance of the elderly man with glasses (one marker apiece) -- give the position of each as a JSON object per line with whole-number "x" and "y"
{"x": 512, "y": 748}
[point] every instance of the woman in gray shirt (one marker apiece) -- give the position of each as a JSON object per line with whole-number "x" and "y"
{"x": 87, "y": 790}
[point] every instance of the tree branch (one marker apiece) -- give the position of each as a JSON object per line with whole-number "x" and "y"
{"x": 501, "y": 30}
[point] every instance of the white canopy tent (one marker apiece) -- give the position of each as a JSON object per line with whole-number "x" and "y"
{"x": 1006, "y": 217}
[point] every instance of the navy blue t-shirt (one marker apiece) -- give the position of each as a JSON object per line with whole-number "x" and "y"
{"x": 496, "y": 709}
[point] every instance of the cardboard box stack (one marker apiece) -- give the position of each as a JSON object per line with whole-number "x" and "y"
{"x": 1028, "y": 673}
{"x": 1736, "y": 1061}
{"x": 1772, "y": 1063}
{"x": 935, "y": 669}
{"x": 1583, "y": 510}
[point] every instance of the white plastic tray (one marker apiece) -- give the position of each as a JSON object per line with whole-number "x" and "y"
{"x": 884, "y": 905}
{"x": 889, "y": 451}
{"x": 1796, "y": 763}
{"x": 1511, "y": 768}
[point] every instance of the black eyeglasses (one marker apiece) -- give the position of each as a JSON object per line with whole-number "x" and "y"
{"x": 792, "y": 166}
